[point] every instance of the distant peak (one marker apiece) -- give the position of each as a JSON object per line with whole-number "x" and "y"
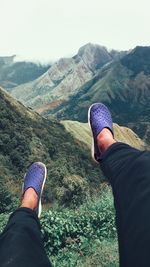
{"x": 90, "y": 47}
{"x": 94, "y": 56}
{"x": 139, "y": 49}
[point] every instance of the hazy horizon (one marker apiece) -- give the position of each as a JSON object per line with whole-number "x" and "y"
{"x": 46, "y": 30}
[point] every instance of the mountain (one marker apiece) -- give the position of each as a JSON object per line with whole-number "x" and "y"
{"x": 64, "y": 78}
{"x": 123, "y": 85}
{"x": 14, "y": 73}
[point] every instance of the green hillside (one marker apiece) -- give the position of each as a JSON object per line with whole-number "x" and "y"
{"x": 82, "y": 132}
{"x": 26, "y": 137}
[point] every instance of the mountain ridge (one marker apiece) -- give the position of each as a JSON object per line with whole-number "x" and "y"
{"x": 64, "y": 77}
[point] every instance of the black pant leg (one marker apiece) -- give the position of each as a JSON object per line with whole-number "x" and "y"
{"x": 128, "y": 171}
{"x": 20, "y": 243}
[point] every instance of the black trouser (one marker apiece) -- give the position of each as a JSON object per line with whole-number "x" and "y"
{"x": 128, "y": 171}
{"x": 20, "y": 243}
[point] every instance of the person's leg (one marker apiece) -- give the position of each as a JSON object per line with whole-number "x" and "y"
{"x": 21, "y": 243}
{"x": 128, "y": 171}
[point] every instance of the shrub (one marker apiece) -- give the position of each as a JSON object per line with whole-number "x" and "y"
{"x": 3, "y": 221}
{"x": 93, "y": 220}
{"x": 73, "y": 192}
{"x": 6, "y": 199}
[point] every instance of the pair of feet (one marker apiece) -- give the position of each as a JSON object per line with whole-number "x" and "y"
{"x": 102, "y": 129}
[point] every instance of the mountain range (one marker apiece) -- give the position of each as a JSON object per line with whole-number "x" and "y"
{"x": 121, "y": 80}
{"x": 64, "y": 78}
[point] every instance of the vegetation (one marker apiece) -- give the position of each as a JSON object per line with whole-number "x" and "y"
{"x": 26, "y": 137}
{"x": 85, "y": 236}
{"x": 7, "y": 201}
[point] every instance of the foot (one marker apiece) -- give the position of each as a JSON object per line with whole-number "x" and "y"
{"x": 30, "y": 199}
{"x": 105, "y": 139}
{"x": 101, "y": 125}
{"x": 34, "y": 181}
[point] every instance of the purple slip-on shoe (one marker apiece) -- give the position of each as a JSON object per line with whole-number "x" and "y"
{"x": 99, "y": 118}
{"x": 35, "y": 178}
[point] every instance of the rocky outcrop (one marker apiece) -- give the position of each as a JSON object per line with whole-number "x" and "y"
{"x": 94, "y": 56}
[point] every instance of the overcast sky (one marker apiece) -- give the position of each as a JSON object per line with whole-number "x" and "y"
{"x": 49, "y": 29}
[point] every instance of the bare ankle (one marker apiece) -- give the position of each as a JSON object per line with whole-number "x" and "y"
{"x": 105, "y": 139}
{"x": 30, "y": 199}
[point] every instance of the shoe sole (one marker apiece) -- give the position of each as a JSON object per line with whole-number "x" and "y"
{"x": 39, "y": 204}
{"x": 92, "y": 148}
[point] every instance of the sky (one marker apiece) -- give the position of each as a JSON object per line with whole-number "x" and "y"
{"x": 45, "y": 30}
